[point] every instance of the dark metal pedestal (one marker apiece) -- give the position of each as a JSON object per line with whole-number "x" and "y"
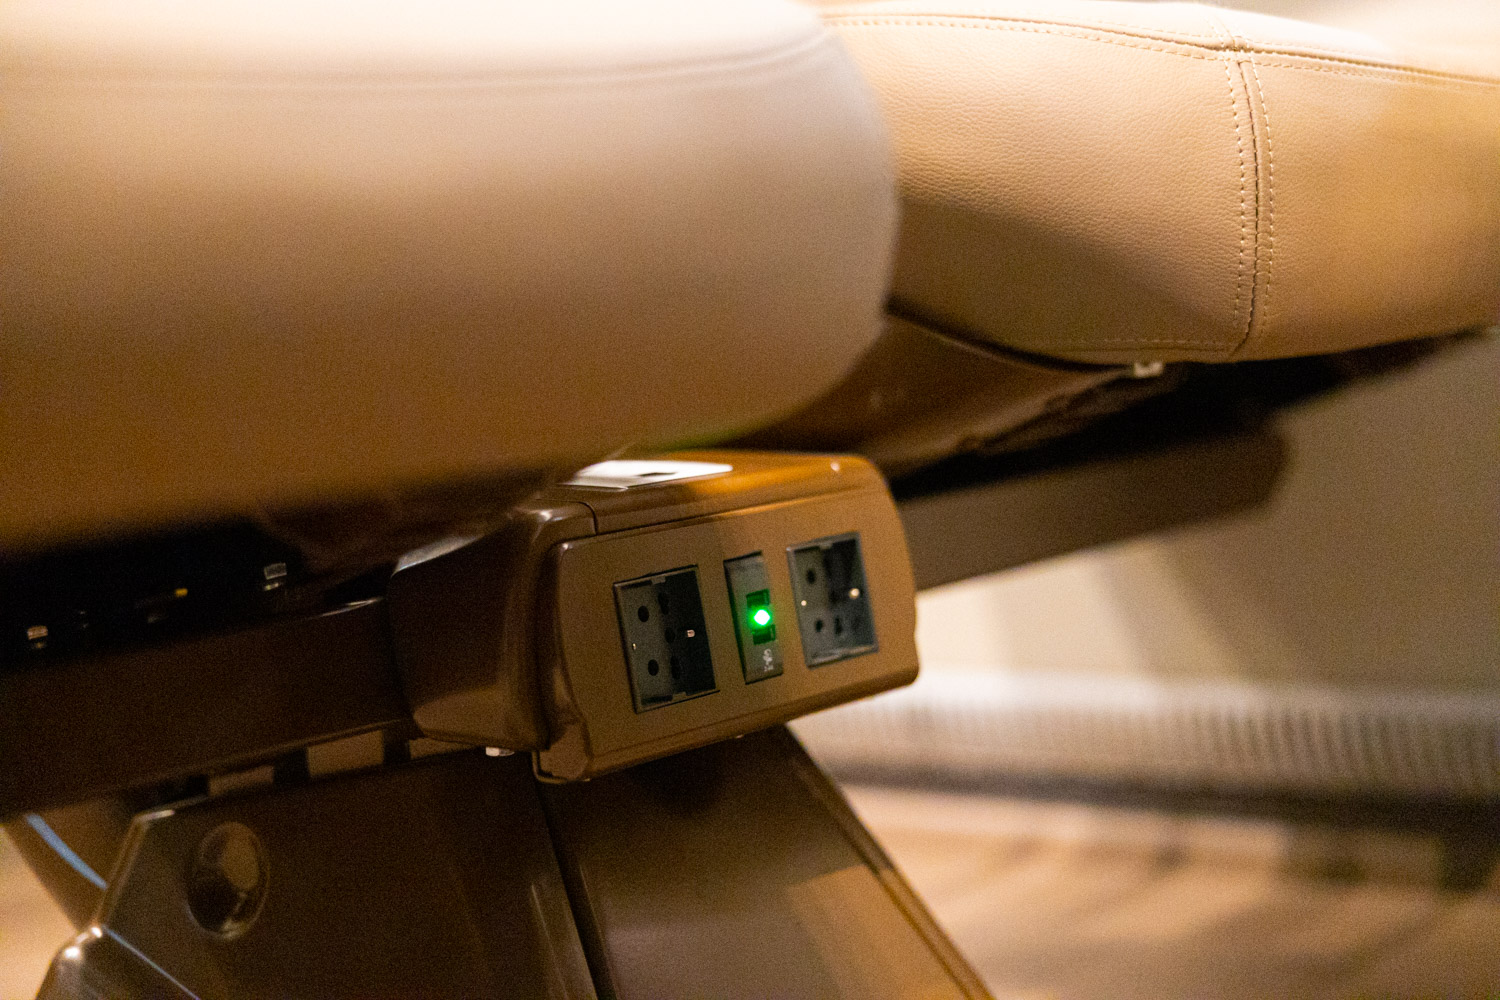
{"x": 739, "y": 871}
{"x": 732, "y": 871}
{"x": 434, "y": 879}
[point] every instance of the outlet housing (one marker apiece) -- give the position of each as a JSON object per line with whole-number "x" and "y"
{"x": 522, "y": 639}
{"x": 834, "y": 613}
{"x": 665, "y": 637}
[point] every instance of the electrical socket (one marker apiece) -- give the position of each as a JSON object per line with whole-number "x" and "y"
{"x": 833, "y": 600}
{"x": 666, "y": 640}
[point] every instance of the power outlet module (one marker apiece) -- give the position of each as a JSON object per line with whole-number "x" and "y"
{"x": 651, "y": 606}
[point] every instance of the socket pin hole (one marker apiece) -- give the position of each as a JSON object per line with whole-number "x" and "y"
{"x": 653, "y": 668}
{"x": 838, "y": 626}
{"x": 661, "y": 601}
{"x": 669, "y": 635}
{"x": 642, "y": 613}
{"x": 676, "y": 669}
{"x": 818, "y": 625}
{"x": 812, "y": 576}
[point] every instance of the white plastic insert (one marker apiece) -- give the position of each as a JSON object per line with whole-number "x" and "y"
{"x": 624, "y": 474}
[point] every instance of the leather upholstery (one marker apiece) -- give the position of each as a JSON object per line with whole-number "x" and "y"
{"x": 1108, "y": 181}
{"x": 271, "y": 253}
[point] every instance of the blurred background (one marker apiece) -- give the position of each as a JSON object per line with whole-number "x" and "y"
{"x": 1250, "y": 758}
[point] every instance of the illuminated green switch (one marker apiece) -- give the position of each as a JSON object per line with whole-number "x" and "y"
{"x": 759, "y": 618}
{"x": 754, "y": 617}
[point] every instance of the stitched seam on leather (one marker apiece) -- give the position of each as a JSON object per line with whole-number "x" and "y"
{"x": 1374, "y": 68}
{"x": 1263, "y": 301}
{"x": 1217, "y": 23}
{"x": 1392, "y": 75}
{"x": 1009, "y": 26}
{"x": 1162, "y": 34}
{"x": 898, "y": 311}
{"x": 1212, "y": 345}
{"x": 1331, "y": 52}
{"x": 1134, "y": 30}
{"x": 1078, "y": 31}
{"x": 1239, "y": 277}
{"x": 1216, "y": 28}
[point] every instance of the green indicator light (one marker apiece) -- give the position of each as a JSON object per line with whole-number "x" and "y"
{"x": 761, "y": 617}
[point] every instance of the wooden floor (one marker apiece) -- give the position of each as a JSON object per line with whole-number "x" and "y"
{"x": 1071, "y": 901}
{"x": 1082, "y": 902}
{"x": 32, "y": 929}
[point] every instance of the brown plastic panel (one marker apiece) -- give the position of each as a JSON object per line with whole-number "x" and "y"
{"x": 434, "y": 879}
{"x": 982, "y": 528}
{"x": 595, "y": 727}
{"x": 84, "y": 728}
{"x": 918, "y": 396}
{"x": 462, "y": 627}
{"x": 736, "y": 871}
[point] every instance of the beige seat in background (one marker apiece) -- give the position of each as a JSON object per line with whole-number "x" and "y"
{"x": 1109, "y": 182}
{"x": 280, "y": 253}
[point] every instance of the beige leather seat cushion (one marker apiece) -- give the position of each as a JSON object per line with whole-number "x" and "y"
{"x": 288, "y": 252}
{"x": 1105, "y": 181}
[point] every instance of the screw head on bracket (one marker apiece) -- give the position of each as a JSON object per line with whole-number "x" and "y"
{"x": 226, "y": 884}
